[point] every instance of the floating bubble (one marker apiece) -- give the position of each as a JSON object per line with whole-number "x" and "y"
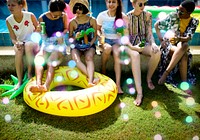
{"x": 61, "y": 48}
{"x": 72, "y": 46}
{"x": 71, "y": 40}
{"x": 124, "y": 57}
{"x": 125, "y": 117}
{"x": 189, "y": 119}
{"x": 190, "y": 101}
{"x": 5, "y": 100}
{"x": 119, "y": 23}
{"x": 39, "y": 61}
{"x": 51, "y": 47}
{"x": 154, "y": 104}
{"x": 162, "y": 15}
{"x": 184, "y": 86}
{"x": 129, "y": 81}
{"x": 122, "y": 105}
{"x": 124, "y": 40}
{"x": 54, "y": 63}
{"x": 59, "y": 78}
{"x": 157, "y": 137}
{"x": 132, "y": 90}
{"x": 7, "y": 118}
{"x": 72, "y": 64}
{"x": 74, "y": 74}
{"x": 195, "y": 138}
{"x": 157, "y": 114}
{"x": 36, "y": 37}
{"x": 58, "y": 34}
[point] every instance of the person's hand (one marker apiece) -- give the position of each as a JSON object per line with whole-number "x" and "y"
{"x": 77, "y": 36}
{"x": 140, "y": 49}
{"x": 164, "y": 43}
{"x": 19, "y": 45}
{"x": 155, "y": 48}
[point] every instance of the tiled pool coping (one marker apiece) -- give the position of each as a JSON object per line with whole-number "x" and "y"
{"x": 6, "y": 41}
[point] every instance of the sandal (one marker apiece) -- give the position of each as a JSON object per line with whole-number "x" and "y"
{"x": 138, "y": 100}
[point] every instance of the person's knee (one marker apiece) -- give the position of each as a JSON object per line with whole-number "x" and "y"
{"x": 184, "y": 46}
{"x": 88, "y": 58}
{"x": 134, "y": 55}
{"x": 107, "y": 49}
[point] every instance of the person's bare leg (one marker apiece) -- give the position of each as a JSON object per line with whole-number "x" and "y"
{"x": 77, "y": 58}
{"x": 183, "y": 71}
{"x": 152, "y": 64}
{"x": 117, "y": 68}
{"x": 39, "y": 69}
{"x": 31, "y": 49}
{"x": 89, "y": 59}
{"x": 19, "y": 65}
{"x": 136, "y": 70}
{"x": 177, "y": 55}
{"x": 105, "y": 56}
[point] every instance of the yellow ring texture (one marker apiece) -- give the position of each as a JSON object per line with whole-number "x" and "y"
{"x": 87, "y": 101}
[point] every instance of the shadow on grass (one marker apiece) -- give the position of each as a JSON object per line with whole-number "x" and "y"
{"x": 169, "y": 99}
{"x": 88, "y": 123}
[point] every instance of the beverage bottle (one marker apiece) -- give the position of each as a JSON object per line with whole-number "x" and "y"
{"x": 43, "y": 34}
{"x": 142, "y": 44}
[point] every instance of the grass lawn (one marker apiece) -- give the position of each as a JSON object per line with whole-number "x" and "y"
{"x": 166, "y": 113}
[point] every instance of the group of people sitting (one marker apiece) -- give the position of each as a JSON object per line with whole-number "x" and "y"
{"x": 113, "y": 29}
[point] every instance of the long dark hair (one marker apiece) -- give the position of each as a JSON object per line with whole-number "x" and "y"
{"x": 118, "y": 11}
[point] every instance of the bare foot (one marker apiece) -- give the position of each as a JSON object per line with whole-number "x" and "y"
{"x": 162, "y": 79}
{"x": 17, "y": 86}
{"x": 150, "y": 85}
{"x": 138, "y": 100}
{"x": 34, "y": 88}
{"x": 39, "y": 88}
{"x": 91, "y": 84}
{"x": 43, "y": 88}
{"x": 96, "y": 81}
{"x": 120, "y": 91}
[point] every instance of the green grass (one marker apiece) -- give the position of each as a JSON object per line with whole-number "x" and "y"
{"x": 114, "y": 123}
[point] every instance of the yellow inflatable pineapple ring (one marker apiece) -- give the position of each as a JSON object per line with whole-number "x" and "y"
{"x": 87, "y": 101}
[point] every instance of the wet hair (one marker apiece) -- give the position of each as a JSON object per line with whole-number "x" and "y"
{"x": 189, "y": 5}
{"x": 57, "y": 5}
{"x": 23, "y": 3}
{"x": 84, "y": 8}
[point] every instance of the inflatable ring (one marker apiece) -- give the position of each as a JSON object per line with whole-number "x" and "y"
{"x": 87, "y": 101}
